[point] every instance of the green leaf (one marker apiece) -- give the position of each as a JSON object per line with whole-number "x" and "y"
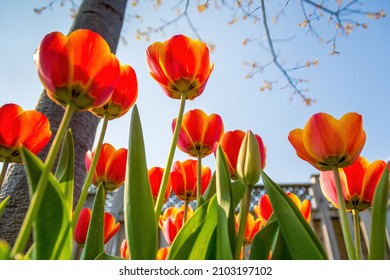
{"x": 3, "y": 204}
{"x": 103, "y": 256}
{"x": 184, "y": 241}
{"x": 65, "y": 169}
{"x": 140, "y": 221}
{"x": 378, "y": 242}
{"x": 65, "y": 176}
{"x": 238, "y": 191}
{"x": 94, "y": 244}
{"x": 300, "y": 238}
{"x": 226, "y": 223}
{"x": 211, "y": 189}
{"x": 264, "y": 242}
{"x": 52, "y": 223}
{"x": 200, "y": 249}
{"x": 5, "y": 250}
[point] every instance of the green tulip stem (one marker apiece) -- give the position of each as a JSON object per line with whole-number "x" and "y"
{"x": 244, "y": 209}
{"x": 91, "y": 171}
{"x": 4, "y": 171}
{"x": 356, "y": 227}
{"x": 168, "y": 166}
{"x": 185, "y": 211}
{"x": 343, "y": 216}
{"x": 37, "y": 197}
{"x": 199, "y": 180}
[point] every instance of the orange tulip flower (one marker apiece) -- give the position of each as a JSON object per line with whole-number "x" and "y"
{"x": 231, "y": 143}
{"x": 162, "y": 253}
{"x": 172, "y": 211}
{"x": 184, "y": 177}
{"x": 199, "y": 132}
{"x": 110, "y": 168}
{"x": 173, "y": 223}
{"x": 78, "y": 68}
{"x": 264, "y": 208}
{"x": 179, "y": 65}
{"x": 82, "y": 226}
{"x": 326, "y": 142}
{"x": 123, "y": 97}
{"x": 155, "y": 177}
{"x": 358, "y": 183}
{"x": 124, "y": 250}
{"x": 18, "y": 127}
{"x": 252, "y": 227}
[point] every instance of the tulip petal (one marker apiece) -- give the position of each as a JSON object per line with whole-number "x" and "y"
{"x": 116, "y": 167}
{"x": 9, "y": 135}
{"x": 356, "y": 137}
{"x": 296, "y": 139}
{"x": 37, "y": 130}
{"x": 371, "y": 180}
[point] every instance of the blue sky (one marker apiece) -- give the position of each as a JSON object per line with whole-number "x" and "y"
{"x": 355, "y": 80}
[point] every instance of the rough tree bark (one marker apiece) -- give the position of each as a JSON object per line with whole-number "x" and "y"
{"x": 106, "y": 18}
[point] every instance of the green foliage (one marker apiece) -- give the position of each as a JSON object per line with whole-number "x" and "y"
{"x": 52, "y": 230}
{"x": 301, "y": 241}
{"x": 378, "y": 241}
{"x": 140, "y": 222}
{"x": 226, "y": 222}
{"x": 3, "y": 204}
{"x": 94, "y": 244}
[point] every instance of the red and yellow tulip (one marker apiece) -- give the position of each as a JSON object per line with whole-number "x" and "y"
{"x": 123, "y": 97}
{"x": 172, "y": 221}
{"x": 124, "y": 250}
{"x": 82, "y": 226}
{"x": 252, "y": 226}
{"x": 180, "y": 65}
{"x": 358, "y": 182}
{"x": 199, "y": 132}
{"x": 78, "y": 68}
{"x": 111, "y": 167}
{"x": 326, "y": 142}
{"x": 264, "y": 208}
{"x": 184, "y": 179}
{"x": 162, "y": 253}
{"x": 30, "y": 129}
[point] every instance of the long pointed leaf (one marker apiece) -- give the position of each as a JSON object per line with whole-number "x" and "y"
{"x": 187, "y": 236}
{"x": 3, "y": 204}
{"x": 104, "y": 257}
{"x": 94, "y": 244}
{"x": 264, "y": 242}
{"x": 300, "y": 238}
{"x": 226, "y": 226}
{"x": 65, "y": 169}
{"x": 52, "y": 220}
{"x": 201, "y": 247}
{"x": 140, "y": 221}
{"x": 65, "y": 176}
{"x": 378, "y": 242}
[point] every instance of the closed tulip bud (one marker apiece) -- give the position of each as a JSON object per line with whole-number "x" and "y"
{"x": 249, "y": 163}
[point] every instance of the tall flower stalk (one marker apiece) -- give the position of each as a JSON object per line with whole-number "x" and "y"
{"x": 343, "y": 217}
{"x": 181, "y": 66}
{"x": 168, "y": 165}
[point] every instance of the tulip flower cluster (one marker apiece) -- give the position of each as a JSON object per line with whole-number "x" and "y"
{"x": 79, "y": 72}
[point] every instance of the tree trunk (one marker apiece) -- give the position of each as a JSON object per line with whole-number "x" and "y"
{"x": 106, "y": 18}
